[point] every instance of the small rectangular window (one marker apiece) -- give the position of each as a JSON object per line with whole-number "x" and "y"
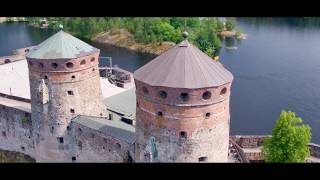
{"x": 73, "y": 159}
{"x": 72, "y": 110}
{"x": 70, "y": 92}
{"x": 60, "y": 140}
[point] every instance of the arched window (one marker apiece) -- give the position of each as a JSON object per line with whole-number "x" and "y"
{"x": 160, "y": 113}
{"x": 184, "y": 96}
{"x": 163, "y": 94}
{"x": 69, "y": 65}
{"x": 54, "y": 65}
{"x": 206, "y": 95}
{"x": 83, "y": 62}
{"x": 223, "y": 91}
{"x": 118, "y": 146}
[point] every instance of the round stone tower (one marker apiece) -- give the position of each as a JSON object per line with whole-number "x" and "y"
{"x": 64, "y": 82}
{"x": 182, "y": 107}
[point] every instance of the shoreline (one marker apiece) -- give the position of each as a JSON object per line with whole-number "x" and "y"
{"x": 123, "y": 39}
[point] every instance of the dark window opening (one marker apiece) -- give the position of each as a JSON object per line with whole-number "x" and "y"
{"x": 80, "y": 145}
{"x": 110, "y": 116}
{"x": 92, "y": 135}
{"x": 184, "y": 96}
{"x": 206, "y": 95}
{"x": 60, "y": 139}
{"x": 203, "y": 159}
{"x": 103, "y": 147}
{"x": 145, "y": 90}
{"x": 128, "y": 121}
{"x": 183, "y": 134}
{"x": 54, "y": 65}
{"x": 4, "y": 134}
{"x": 160, "y": 113}
{"x": 22, "y": 147}
{"x": 40, "y": 65}
{"x": 223, "y": 91}
{"x": 208, "y": 115}
{"x": 93, "y": 69}
{"x": 72, "y": 110}
{"x": 7, "y": 61}
{"x": 118, "y": 146}
{"x": 92, "y": 59}
{"x": 69, "y": 65}
{"x": 163, "y": 94}
{"x": 68, "y": 128}
{"x": 73, "y": 159}
{"x": 83, "y": 62}
{"x": 52, "y": 128}
{"x": 45, "y": 77}
{"x": 80, "y": 130}
{"x": 26, "y": 50}
{"x": 73, "y": 76}
{"x": 70, "y": 92}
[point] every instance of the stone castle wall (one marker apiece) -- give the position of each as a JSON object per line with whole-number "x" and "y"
{"x": 183, "y": 130}
{"x": 16, "y": 130}
{"x": 60, "y": 90}
{"x": 94, "y": 146}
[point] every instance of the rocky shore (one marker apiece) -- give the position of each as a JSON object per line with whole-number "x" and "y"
{"x": 123, "y": 38}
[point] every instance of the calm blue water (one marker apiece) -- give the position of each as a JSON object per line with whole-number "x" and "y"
{"x": 276, "y": 68}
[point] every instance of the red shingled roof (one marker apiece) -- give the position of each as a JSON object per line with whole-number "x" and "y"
{"x": 184, "y": 66}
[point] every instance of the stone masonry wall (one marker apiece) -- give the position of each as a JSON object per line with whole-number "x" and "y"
{"x": 93, "y": 146}
{"x": 16, "y": 130}
{"x": 182, "y": 130}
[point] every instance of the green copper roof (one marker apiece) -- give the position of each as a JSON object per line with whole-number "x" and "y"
{"x": 61, "y": 46}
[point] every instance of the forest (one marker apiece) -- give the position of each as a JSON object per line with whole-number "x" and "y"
{"x": 203, "y": 32}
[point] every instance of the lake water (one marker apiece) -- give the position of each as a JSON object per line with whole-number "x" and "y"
{"x": 276, "y": 68}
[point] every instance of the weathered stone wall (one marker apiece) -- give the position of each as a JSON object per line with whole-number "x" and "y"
{"x": 60, "y": 90}
{"x": 183, "y": 129}
{"x": 16, "y": 130}
{"x": 93, "y": 146}
{"x": 249, "y": 141}
{"x": 315, "y": 150}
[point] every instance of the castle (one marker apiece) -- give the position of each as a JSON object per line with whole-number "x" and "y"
{"x": 59, "y": 109}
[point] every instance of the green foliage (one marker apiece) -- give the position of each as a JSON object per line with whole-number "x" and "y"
{"x": 230, "y": 24}
{"x": 24, "y": 120}
{"x": 289, "y": 141}
{"x": 202, "y": 31}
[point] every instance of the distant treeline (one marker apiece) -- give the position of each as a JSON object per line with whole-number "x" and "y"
{"x": 295, "y": 22}
{"x": 203, "y": 32}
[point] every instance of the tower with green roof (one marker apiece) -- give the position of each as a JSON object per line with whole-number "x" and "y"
{"x": 64, "y": 82}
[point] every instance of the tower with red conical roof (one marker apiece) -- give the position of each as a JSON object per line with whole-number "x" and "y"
{"x": 182, "y": 107}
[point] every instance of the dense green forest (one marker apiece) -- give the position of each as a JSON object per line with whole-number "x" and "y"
{"x": 203, "y": 32}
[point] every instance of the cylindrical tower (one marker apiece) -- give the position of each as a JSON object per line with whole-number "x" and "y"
{"x": 64, "y": 82}
{"x": 182, "y": 108}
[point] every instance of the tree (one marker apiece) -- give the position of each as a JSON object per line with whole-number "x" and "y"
{"x": 230, "y": 24}
{"x": 289, "y": 141}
